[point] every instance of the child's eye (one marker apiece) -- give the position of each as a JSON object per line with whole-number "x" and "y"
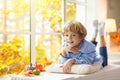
{"x": 73, "y": 35}
{"x": 66, "y": 35}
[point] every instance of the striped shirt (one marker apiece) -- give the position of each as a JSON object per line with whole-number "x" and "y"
{"x": 87, "y": 54}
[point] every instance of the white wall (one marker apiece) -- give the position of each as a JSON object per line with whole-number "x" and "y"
{"x": 97, "y": 9}
{"x": 91, "y": 15}
{"x": 101, "y": 9}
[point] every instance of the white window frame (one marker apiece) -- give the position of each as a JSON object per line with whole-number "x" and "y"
{"x": 32, "y": 32}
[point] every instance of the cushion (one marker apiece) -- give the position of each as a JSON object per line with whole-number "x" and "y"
{"x": 76, "y": 68}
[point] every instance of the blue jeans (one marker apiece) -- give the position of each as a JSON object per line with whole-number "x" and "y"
{"x": 103, "y": 53}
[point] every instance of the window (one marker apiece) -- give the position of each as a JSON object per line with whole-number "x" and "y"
{"x": 14, "y": 35}
{"x": 76, "y": 10}
{"x": 30, "y": 30}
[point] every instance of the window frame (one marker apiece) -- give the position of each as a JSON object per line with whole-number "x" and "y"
{"x": 32, "y": 32}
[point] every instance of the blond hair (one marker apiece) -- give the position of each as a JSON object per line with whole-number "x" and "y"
{"x": 76, "y": 27}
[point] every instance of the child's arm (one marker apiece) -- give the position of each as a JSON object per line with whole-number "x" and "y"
{"x": 63, "y": 53}
{"x": 73, "y": 49}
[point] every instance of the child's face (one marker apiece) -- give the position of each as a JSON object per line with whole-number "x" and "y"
{"x": 72, "y": 39}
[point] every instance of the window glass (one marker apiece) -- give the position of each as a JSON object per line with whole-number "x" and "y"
{"x": 70, "y": 11}
{"x": 1, "y": 15}
{"x": 48, "y": 15}
{"x": 1, "y": 38}
{"x": 47, "y": 25}
{"x": 47, "y": 48}
{"x": 75, "y": 10}
{"x": 17, "y": 15}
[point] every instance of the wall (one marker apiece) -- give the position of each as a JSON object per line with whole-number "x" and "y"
{"x": 101, "y": 7}
{"x": 113, "y": 10}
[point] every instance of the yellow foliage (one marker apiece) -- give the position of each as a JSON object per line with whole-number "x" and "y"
{"x": 20, "y": 6}
{"x": 3, "y": 69}
{"x": 10, "y": 55}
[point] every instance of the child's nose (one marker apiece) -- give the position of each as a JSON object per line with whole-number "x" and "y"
{"x": 70, "y": 37}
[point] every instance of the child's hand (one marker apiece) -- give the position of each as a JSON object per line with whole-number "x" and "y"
{"x": 63, "y": 53}
{"x": 67, "y": 65}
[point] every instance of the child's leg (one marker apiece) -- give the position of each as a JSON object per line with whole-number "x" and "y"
{"x": 103, "y": 53}
{"x": 95, "y": 24}
{"x": 103, "y": 49}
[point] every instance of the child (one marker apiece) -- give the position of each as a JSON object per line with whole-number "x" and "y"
{"x": 77, "y": 50}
